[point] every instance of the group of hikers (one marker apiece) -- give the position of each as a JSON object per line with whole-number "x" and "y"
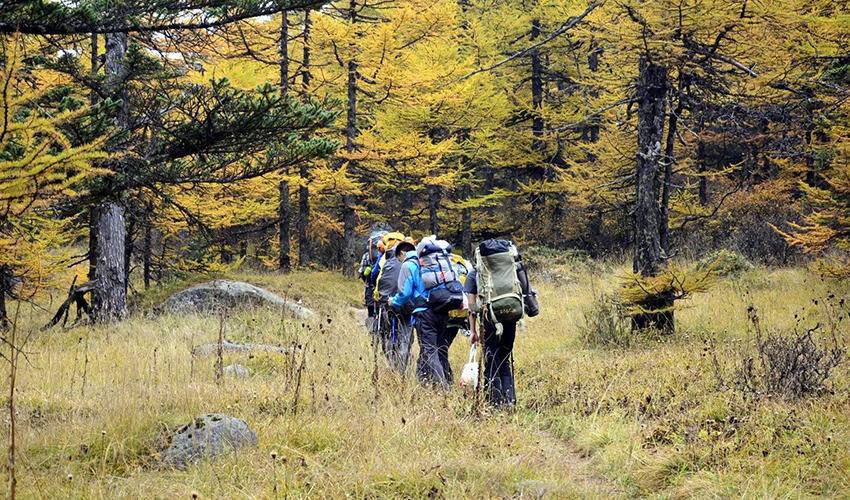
{"x": 425, "y": 287}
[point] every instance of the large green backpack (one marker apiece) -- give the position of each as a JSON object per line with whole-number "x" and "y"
{"x": 499, "y": 289}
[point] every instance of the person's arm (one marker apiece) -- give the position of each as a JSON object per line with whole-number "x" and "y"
{"x": 377, "y": 269}
{"x": 405, "y": 287}
{"x": 471, "y": 289}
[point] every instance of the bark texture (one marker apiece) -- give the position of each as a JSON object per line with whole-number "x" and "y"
{"x": 304, "y": 173}
{"x": 284, "y": 208}
{"x": 110, "y": 288}
{"x": 147, "y": 247}
{"x": 349, "y": 217}
{"x": 284, "y": 213}
{"x": 110, "y": 292}
{"x": 649, "y": 257}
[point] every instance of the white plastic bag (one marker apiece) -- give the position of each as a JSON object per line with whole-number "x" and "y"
{"x": 469, "y": 375}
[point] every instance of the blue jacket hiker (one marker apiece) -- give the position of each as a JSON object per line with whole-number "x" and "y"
{"x": 430, "y": 322}
{"x": 411, "y": 289}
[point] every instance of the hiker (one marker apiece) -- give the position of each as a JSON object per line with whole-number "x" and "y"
{"x": 395, "y": 327}
{"x": 374, "y": 252}
{"x": 499, "y": 295}
{"x": 458, "y": 318}
{"x": 387, "y": 243}
{"x": 427, "y": 280}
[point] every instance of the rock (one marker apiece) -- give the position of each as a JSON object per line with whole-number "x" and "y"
{"x": 360, "y": 315}
{"x": 209, "y": 297}
{"x": 534, "y": 489}
{"x": 208, "y": 436}
{"x": 236, "y": 371}
{"x": 227, "y": 346}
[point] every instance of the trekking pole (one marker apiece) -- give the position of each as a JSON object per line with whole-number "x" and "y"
{"x": 476, "y": 331}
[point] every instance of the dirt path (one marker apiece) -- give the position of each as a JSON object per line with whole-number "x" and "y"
{"x": 561, "y": 469}
{"x": 579, "y": 469}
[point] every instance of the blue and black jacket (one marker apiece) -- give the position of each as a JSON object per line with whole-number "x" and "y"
{"x": 411, "y": 289}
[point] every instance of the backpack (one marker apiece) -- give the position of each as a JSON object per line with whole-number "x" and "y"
{"x": 499, "y": 288}
{"x": 462, "y": 271}
{"x": 372, "y": 246}
{"x": 444, "y": 289}
{"x": 387, "y": 284}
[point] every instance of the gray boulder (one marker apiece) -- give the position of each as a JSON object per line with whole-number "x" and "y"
{"x": 236, "y": 371}
{"x": 210, "y": 296}
{"x": 208, "y": 436}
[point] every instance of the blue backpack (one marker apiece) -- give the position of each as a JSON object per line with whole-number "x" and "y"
{"x": 443, "y": 288}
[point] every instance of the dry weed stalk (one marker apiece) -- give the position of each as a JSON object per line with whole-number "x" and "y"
{"x": 85, "y": 367}
{"x": 219, "y": 354}
{"x": 790, "y": 365}
{"x": 16, "y": 348}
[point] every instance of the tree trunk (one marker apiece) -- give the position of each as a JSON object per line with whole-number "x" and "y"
{"x": 146, "y": 248}
{"x": 109, "y": 297}
{"x": 538, "y": 170}
{"x": 669, "y": 161}
{"x": 284, "y": 261}
{"x": 284, "y": 53}
{"x": 284, "y": 209}
{"x": 303, "y": 188}
{"x": 349, "y": 235}
{"x": 649, "y": 257}
{"x": 4, "y": 286}
{"x": 537, "y": 124}
{"x": 811, "y": 175}
{"x": 92, "y": 243}
{"x": 93, "y": 69}
{"x": 93, "y": 99}
{"x": 129, "y": 239}
{"x": 433, "y": 205}
{"x": 466, "y": 232}
{"x": 349, "y": 217}
{"x": 110, "y": 291}
{"x": 591, "y": 132}
{"x": 703, "y": 179}
{"x": 303, "y": 222}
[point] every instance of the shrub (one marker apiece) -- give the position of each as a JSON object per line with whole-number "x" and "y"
{"x": 541, "y": 257}
{"x": 551, "y": 265}
{"x": 606, "y": 323}
{"x": 726, "y": 263}
{"x": 790, "y": 365}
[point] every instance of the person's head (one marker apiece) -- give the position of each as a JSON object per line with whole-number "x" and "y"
{"x": 391, "y": 239}
{"x": 381, "y": 246}
{"x": 403, "y": 247}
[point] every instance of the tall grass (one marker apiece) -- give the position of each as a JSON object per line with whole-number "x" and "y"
{"x": 591, "y": 421}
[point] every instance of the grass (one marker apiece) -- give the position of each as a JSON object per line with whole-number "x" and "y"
{"x": 647, "y": 420}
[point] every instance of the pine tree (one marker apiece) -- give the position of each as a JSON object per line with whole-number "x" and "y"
{"x": 40, "y": 166}
{"x": 205, "y": 135}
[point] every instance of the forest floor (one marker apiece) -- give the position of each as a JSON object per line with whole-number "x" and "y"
{"x": 96, "y": 404}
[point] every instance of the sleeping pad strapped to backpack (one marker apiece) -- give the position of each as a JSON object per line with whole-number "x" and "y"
{"x": 499, "y": 289}
{"x": 445, "y": 291}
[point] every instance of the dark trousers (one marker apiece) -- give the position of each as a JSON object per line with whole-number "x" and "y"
{"x": 431, "y": 331}
{"x": 451, "y": 332}
{"x": 369, "y": 299}
{"x": 397, "y": 336}
{"x": 498, "y": 372}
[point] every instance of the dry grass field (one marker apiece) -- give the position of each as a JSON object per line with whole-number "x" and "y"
{"x": 645, "y": 418}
